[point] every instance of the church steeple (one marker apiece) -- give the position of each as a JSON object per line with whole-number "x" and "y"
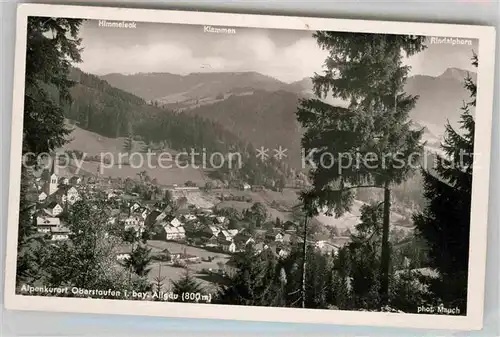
{"x": 53, "y": 179}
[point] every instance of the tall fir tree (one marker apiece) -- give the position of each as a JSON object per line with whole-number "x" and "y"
{"x": 361, "y": 145}
{"x": 187, "y": 284}
{"x": 445, "y": 222}
{"x": 52, "y": 44}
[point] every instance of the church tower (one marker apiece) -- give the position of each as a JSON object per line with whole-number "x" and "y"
{"x": 53, "y": 179}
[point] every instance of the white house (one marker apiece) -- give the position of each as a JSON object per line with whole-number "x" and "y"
{"x": 42, "y": 197}
{"x": 279, "y": 237}
{"x": 190, "y": 217}
{"x": 174, "y": 233}
{"x": 53, "y": 209}
{"x": 59, "y": 233}
{"x": 71, "y": 196}
{"x": 175, "y": 223}
{"x": 63, "y": 181}
{"x": 211, "y": 230}
{"x": 232, "y": 232}
{"x": 229, "y": 246}
{"x": 44, "y": 224}
{"x": 134, "y": 207}
{"x": 134, "y": 221}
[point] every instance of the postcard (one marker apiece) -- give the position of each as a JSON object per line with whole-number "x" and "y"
{"x": 249, "y": 167}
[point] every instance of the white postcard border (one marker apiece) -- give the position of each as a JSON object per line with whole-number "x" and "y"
{"x": 480, "y": 188}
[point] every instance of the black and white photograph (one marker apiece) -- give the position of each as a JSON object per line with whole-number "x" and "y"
{"x": 219, "y": 165}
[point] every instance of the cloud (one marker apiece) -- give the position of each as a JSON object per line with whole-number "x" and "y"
{"x": 253, "y": 51}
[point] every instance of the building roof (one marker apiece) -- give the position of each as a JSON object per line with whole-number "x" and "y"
{"x": 225, "y": 233}
{"x": 171, "y": 230}
{"x": 175, "y": 222}
{"x": 52, "y": 205}
{"x": 60, "y": 230}
{"x": 47, "y": 221}
{"x": 233, "y": 232}
{"x": 220, "y": 219}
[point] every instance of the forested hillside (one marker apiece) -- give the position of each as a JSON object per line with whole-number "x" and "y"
{"x": 111, "y": 112}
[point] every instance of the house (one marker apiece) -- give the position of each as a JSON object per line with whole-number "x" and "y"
{"x": 42, "y": 197}
{"x": 67, "y": 194}
{"x": 134, "y": 221}
{"x": 182, "y": 232}
{"x": 278, "y": 237}
{"x": 134, "y": 206}
{"x": 211, "y": 230}
{"x": 190, "y": 217}
{"x": 75, "y": 180}
{"x": 44, "y": 224}
{"x": 245, "y": 186}
{"x": 221, "y": 220}
{"x": 228, "y": 246}
{"x": 59, "y": 233}
{"x": 141, "y": 212}
{"x": 242, "y": 241}
{"x": 224, "y": 235}
{"x": 212, "y": 242}
{"x": 53, "y": 209}
{"x": 174, "y": 233}
{"x": 63, "y": 181}
{"x": 176, "y": 223}
{"x": 275, "y": 235}
{"x": 232, "y": 232}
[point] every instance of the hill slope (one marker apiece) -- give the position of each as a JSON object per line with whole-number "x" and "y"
{"x": 112, "y": 113}
{"x": 264, "y": 119}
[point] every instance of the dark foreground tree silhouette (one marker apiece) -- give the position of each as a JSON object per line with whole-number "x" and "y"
{"x": 445, "y": 222}
{"x": 52, "y": 43}
{"x": 370, "y": 143}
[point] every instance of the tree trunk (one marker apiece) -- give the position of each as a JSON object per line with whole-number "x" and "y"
{"x": 304, "y": 258}
{"x": 385, "y": 258}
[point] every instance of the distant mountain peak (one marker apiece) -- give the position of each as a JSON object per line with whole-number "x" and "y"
{"x": 456, "y": 73}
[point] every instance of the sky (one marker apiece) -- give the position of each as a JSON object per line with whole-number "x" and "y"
{"x": 288, "y": 55}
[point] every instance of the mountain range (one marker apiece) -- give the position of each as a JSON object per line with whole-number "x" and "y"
{"x": 261, "y": 109}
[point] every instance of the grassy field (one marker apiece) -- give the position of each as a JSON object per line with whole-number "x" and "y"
{"x": 170, "y": 273}
{"x": 93, "y": 144}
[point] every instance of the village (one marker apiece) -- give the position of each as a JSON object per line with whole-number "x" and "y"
{"x": 186, "y": 228}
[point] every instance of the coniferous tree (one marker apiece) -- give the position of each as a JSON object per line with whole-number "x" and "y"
{"x": 187, "y": 284}
{"x": 361, "y": 145}
{"x": 52, "y": 43}
{"x": 445, "y": 222}
{"x": 140, "y": 260}
{"x": 129, "y": 144}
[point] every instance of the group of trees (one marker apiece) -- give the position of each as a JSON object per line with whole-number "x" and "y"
{"x": 52, "y": 45}
{"x": 375, "y": 269}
